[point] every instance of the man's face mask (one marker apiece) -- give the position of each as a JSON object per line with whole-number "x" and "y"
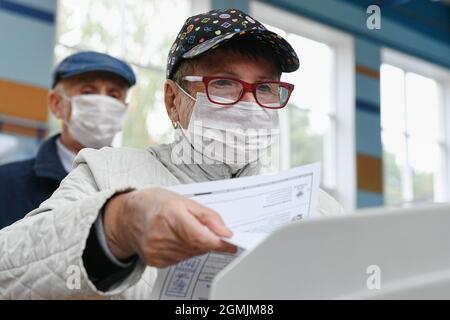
{"x": 236, "y": 135}
{"x": 95, "y": 119}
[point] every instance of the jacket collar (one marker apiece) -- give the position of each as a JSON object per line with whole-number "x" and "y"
{"x": 48, "y": 164}
{"x": 187, "y": 171}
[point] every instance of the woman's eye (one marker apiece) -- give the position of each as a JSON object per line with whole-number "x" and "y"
{"x": 223, "y": 83}
{"x": 264, "y": 88}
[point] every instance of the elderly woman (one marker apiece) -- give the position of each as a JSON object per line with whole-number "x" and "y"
{"x": 111, "y": 223}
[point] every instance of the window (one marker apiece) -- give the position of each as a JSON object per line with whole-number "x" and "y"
{"x": 318, "y": 123}
{"x": 415, "y": 143}
{"x": 137, "y": 32}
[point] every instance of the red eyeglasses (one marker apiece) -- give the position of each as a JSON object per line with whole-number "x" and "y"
{"x": 228, "y": 91}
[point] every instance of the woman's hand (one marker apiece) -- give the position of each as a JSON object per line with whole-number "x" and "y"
{"x": 162, "y": 227}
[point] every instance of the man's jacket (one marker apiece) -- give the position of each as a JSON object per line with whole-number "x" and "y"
{"x": 24, "y": 185}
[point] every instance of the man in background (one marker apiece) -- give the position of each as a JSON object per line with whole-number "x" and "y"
{"x": 88, "y": 94}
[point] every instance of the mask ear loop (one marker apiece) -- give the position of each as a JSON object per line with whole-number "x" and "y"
{"x": 175, "y": 124}
{"x": 184, "y": 91}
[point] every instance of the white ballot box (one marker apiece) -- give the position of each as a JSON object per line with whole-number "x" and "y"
{"x": 372, "y": 254}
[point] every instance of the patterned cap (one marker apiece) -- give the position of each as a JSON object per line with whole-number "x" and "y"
{"x": 208, "y": 30}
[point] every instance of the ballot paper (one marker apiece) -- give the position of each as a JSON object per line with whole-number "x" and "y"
{"x": 252, "y": 207}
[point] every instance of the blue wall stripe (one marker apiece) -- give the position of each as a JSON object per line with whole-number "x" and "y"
{"x": 27, "y": 11}
{"x": 367, "y": 53}
{"x": 368, "y": 133}
{"x": 46, "y": 5}
{"x": 367, "y": 199}
{"x": 366, "y": 106}
{"x": 226, "y": 4}
{"x": 367, "y": 89}
{"x": 27, "y": 49}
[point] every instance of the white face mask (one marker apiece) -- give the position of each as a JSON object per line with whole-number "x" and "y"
{"x": 235, "y": 135}
{"x": 95, "y": 119}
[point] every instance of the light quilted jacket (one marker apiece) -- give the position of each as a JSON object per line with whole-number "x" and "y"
{"x": 39, "y": 253}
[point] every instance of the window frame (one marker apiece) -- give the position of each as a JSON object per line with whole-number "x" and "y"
{"x": 197, "y": 6}
{"x": 342, "y": 117}
{"x": 441, "y": 75}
